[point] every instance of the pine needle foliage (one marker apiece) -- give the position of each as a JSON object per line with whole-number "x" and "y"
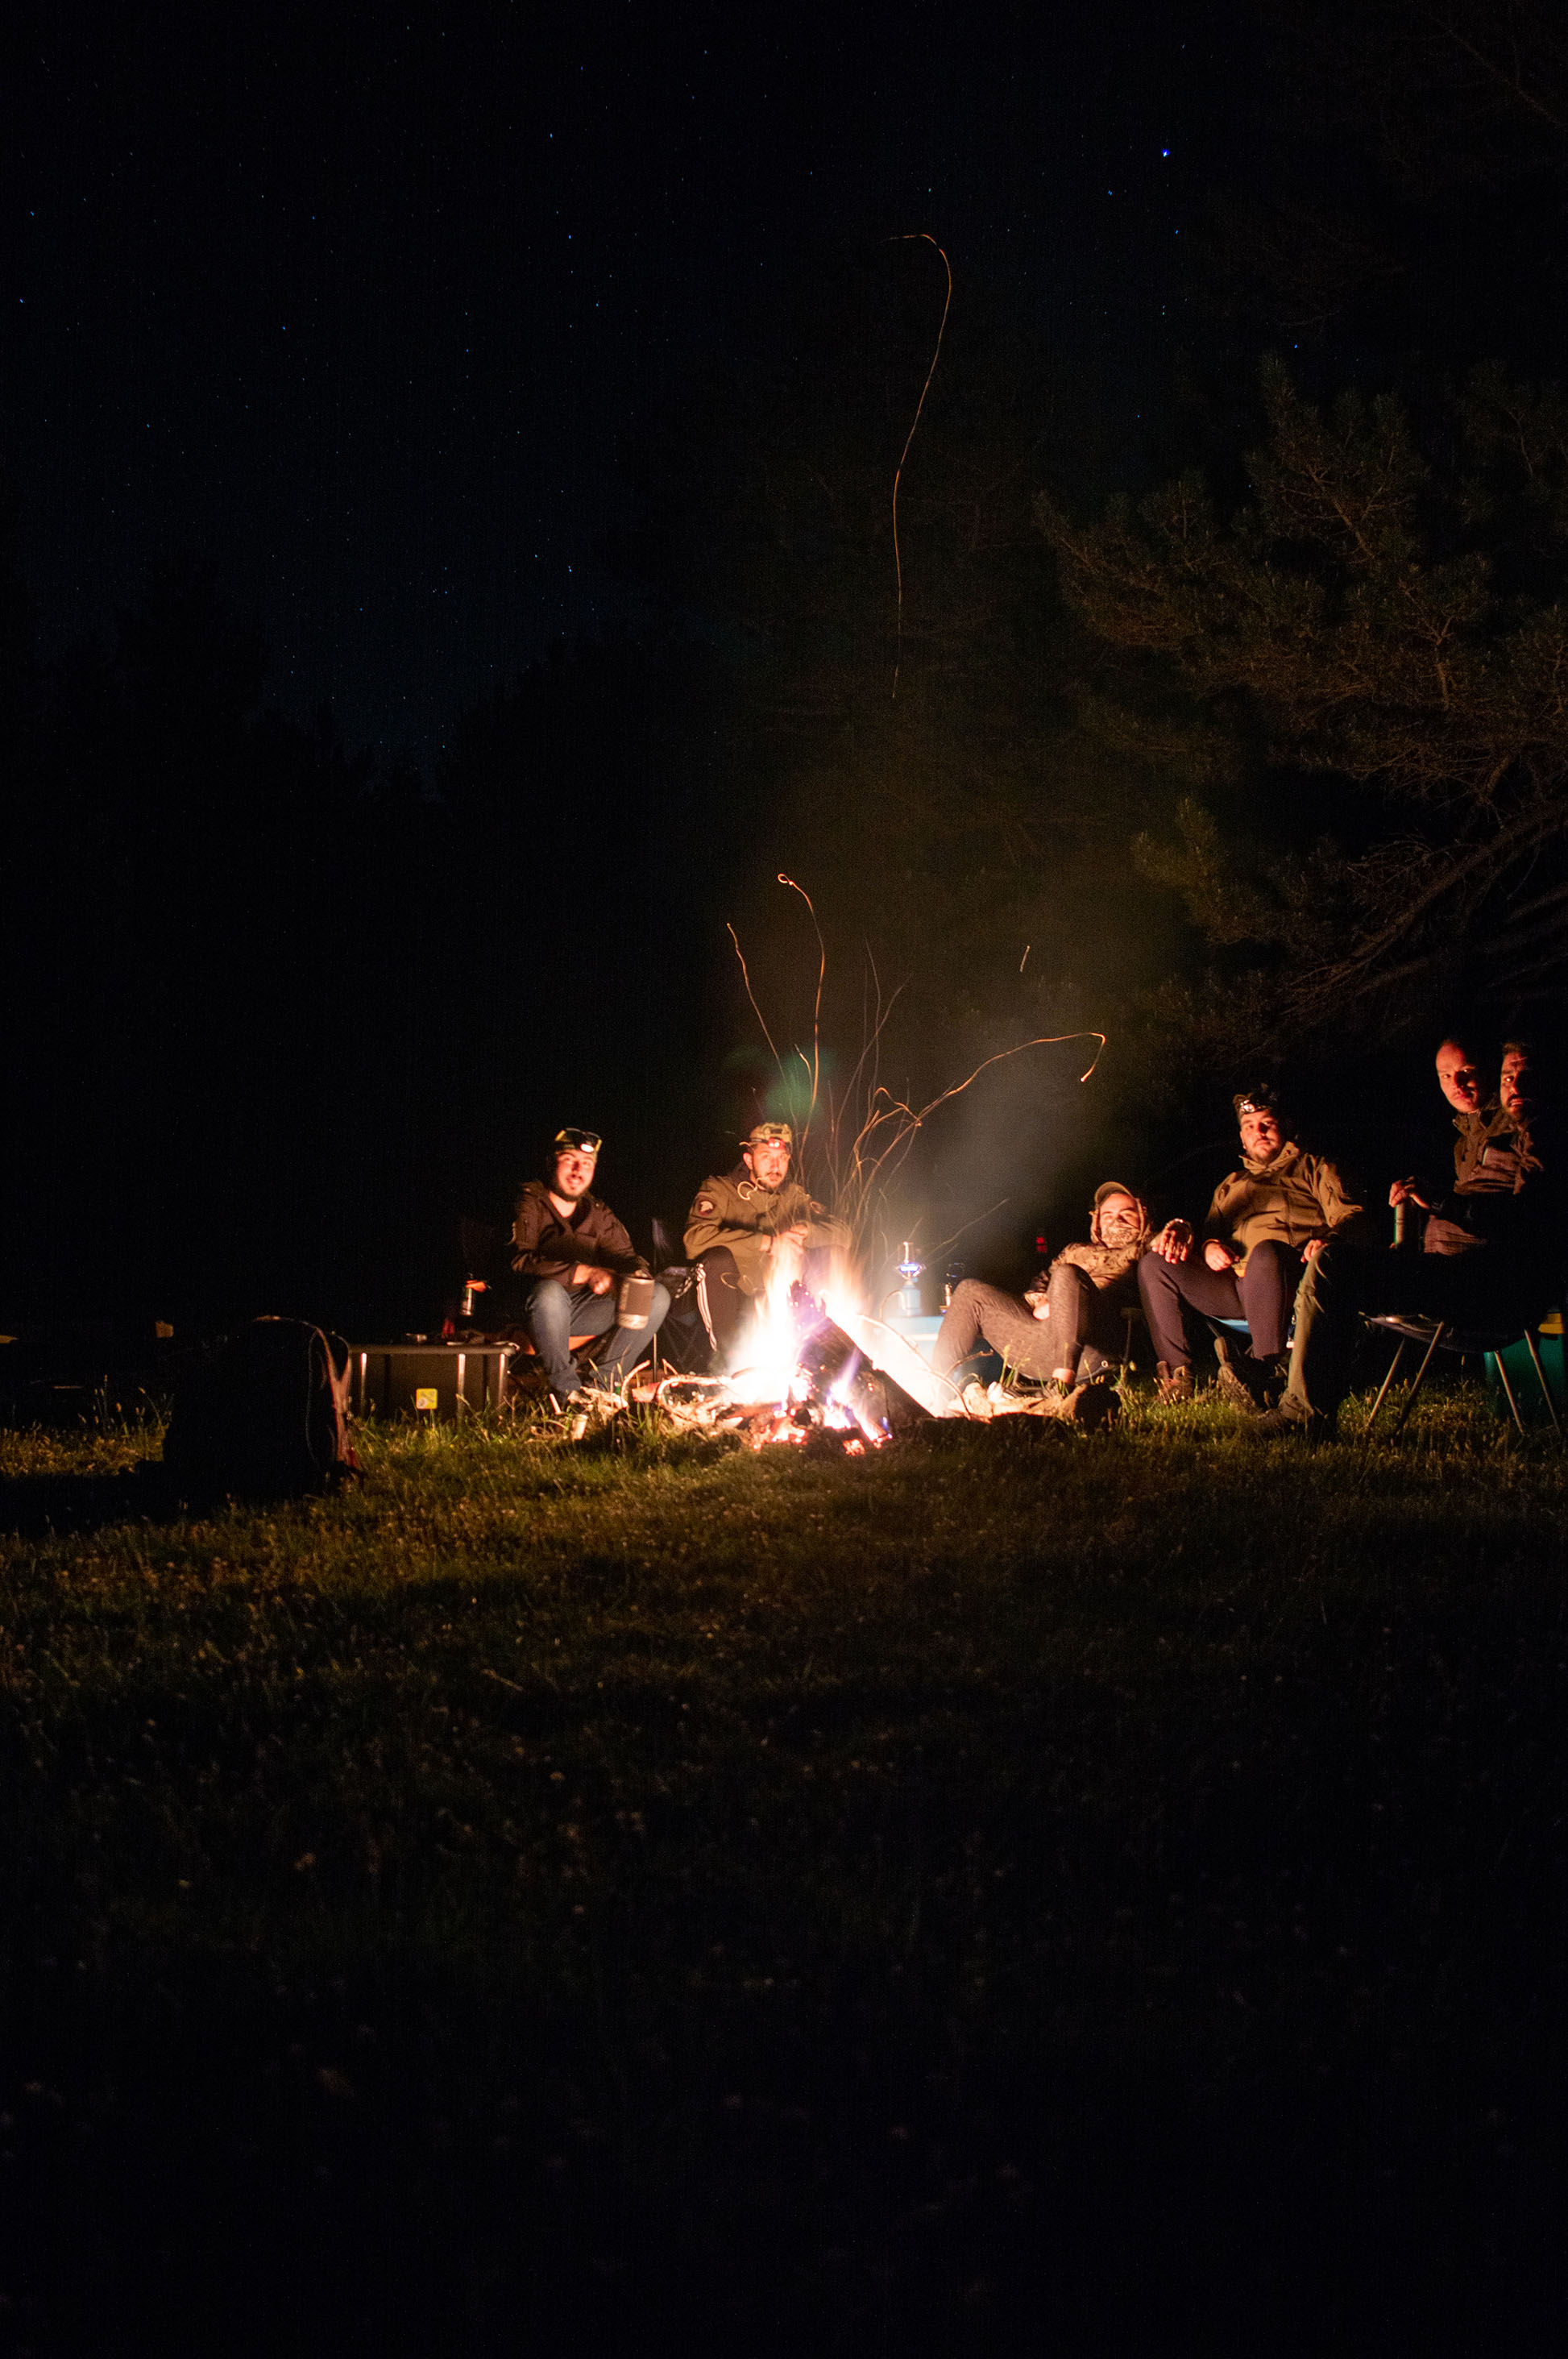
{"x": 1379, "y": 635}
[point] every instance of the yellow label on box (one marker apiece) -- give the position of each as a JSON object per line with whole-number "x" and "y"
{"x": 424, "y": 1397}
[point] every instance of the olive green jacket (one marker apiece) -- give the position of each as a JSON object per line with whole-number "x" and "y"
{"x": 1494, "y": 1156}
{"x": 733, "y": 1210}
{"x": 1288, "y": 1202}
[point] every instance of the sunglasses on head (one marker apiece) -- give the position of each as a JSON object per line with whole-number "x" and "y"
{"x": 589, "y": 1141}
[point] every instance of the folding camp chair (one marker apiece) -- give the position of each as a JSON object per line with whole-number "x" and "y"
{"x": 1441, "y": 1335}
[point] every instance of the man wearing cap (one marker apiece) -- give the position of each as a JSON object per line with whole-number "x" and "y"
{"x": 1069, "y": 1324}
{"x": 750, "y": 1227}
{"x": 1265, "y": 1221}
{"x": 570, "y": 1249}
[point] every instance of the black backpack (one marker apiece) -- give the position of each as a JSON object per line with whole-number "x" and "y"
{"x": 264, "y": 1416}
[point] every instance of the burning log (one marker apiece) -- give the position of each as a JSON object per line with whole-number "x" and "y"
{"x": 840, "y": 1368}
{"x": 833, "y": 1395}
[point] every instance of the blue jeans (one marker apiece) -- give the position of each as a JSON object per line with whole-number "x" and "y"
{"x": 552, "y": 1316}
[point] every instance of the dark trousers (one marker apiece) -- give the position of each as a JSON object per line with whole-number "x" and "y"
{"x": 552, "y": 1315}
{"x": 1262, "y": 1295}
{"x": 725, "y": 1305}
{"x": 1485, "y": 1290}
{"x": 722, "y": 1300}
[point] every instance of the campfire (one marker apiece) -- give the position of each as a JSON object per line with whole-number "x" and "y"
{"x": 821, "y": 1373}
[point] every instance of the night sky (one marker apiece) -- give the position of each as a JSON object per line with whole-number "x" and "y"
{"x": 446, "y": 460}
{"x": 362, "y": 303}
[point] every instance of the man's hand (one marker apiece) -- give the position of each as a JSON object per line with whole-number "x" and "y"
{"x": 1218, "y": 1254}
{"x": 1312, "y": 1248}
{"x": 589, "y": 1274}
{"x": 1174, "y": 1241}
{"x": 1404, "y": 1191}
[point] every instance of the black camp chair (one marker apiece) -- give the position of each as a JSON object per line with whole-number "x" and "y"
{"x": 1440, "y": 1335}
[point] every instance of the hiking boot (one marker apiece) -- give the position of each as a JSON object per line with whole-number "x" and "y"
{"x": 1093, "y": 1408}
{"x": 1172, "y": 1386}
{"x": 1292, "y": 1418}
{"x": 1241, "y": 1385}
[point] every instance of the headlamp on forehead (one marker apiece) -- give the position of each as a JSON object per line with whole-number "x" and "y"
{"x": 766, "y": 1134}
{"x": 588, "y": 1142}
{"x": 1255, "y": 1102}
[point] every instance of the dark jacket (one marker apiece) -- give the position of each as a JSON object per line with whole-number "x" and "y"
{"x": 1509, "y": 1191}
{"x": 544, "y": 1245}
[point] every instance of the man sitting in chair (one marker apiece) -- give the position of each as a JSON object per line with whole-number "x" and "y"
{"x": 1070, "y": 1324}
{"x": 750, "y": 1231}
{"x": 1505, "y": 1271}
{"x": 571, "y": 1249}
{"x": 1277, "y": 1211}
{"x": 1485, "y": 1151}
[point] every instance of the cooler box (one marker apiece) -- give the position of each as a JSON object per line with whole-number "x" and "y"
{"x": 433, "y": 1380}
{"x": 921, "y": 1331}
{"x": 1522, "y": 1376}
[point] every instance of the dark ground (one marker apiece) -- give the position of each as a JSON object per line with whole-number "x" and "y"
{"x": 1045, "y": 1893}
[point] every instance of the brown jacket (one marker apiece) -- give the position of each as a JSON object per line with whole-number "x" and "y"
{"x": 1106, "y": 1265}
{"x": 733, "y": 1210}
{"x": 1288, "y": 1202}
{"x": 1491, "y": 1155}
{"x": 544, "y": 1245}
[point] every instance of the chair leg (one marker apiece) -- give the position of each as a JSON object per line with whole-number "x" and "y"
{"x": 1440, "y": 1333}
{"x": 1508, "y": 1395}
{"x": 1546, "y": 1387}
{"x": 1388, "y": 1380}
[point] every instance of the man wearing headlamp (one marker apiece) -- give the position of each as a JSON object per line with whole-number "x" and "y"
{"x": 750, "y": 1228}
{"x": 1265, "y": 1222}
{"x": 570, "y": 1250}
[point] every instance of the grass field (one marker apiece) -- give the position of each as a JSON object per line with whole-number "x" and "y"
{"x": 1038, "y": 1893}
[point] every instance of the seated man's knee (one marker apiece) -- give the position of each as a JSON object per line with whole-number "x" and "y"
{"x": 1156, "y": 1275}
{"x": 547, "y": 1298}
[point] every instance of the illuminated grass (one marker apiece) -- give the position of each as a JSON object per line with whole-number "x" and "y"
{"x": 864, "y": 1892}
